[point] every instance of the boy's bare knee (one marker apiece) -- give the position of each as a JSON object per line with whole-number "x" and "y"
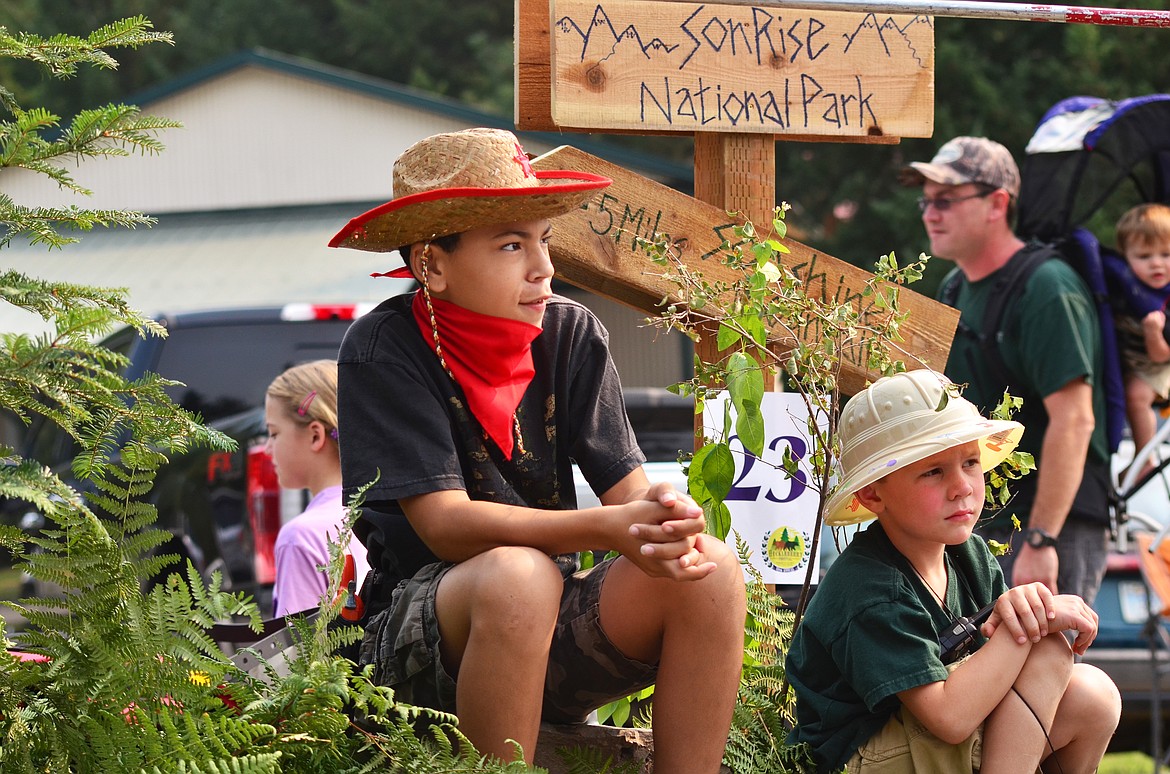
{"x": 1047, "y": 669}
{"x": 1097, "y": 695}
{"x": 719, "y": 552}
{"x": 515, "y": 584}
{"x": 726, "y": 560}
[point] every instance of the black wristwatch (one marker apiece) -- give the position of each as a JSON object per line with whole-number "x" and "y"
{"x": 1038, "y": 538}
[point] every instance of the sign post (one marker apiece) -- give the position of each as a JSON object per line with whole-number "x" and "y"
{"x": 737, "y": 79}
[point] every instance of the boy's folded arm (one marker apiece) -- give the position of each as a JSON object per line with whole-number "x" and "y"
{"x": 457, "y": 528}
{"x": 1058, "y": 613}
{"x": 952, "y": 709}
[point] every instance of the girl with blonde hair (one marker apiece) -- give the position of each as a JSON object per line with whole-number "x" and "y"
{"x": 300, "y": 410}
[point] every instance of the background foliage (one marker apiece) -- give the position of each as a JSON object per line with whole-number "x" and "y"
{"x": 992, "y": 77}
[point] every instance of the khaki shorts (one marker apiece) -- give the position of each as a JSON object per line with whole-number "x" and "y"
{"x": 585, "y": 669}
{"x": 904, "y": 746}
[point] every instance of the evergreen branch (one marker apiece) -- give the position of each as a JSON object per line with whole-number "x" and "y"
{"x": 44, "y": 225}
{"x": 62, "y": 54}
{"x": 8, "y": 100}
{"x": 114, "y": 130}
{"x": 59, "y": 300}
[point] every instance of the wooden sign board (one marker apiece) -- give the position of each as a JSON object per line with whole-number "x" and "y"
{"x": 594, "y": 248}
{"x": 652, "y": 67}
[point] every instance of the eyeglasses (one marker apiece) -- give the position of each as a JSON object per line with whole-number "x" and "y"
{"x": 944, "y": 203}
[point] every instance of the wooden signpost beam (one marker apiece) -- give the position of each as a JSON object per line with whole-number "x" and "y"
{"x": 736, "y": 173}
{"x": 594, "y": 247}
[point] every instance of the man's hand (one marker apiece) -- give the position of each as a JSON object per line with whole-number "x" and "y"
{"x": 1035, "y": 565}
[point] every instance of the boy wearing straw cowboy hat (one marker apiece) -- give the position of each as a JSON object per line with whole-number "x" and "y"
{"x": 466, "y": 404}
{"x": 877, "y": 688}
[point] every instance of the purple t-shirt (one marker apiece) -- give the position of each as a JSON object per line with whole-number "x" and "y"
{"x": 303, "y": 545}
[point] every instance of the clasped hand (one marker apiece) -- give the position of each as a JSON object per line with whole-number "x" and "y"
{"x": 665, "y": 535}
{"x": 1031, "y": 611}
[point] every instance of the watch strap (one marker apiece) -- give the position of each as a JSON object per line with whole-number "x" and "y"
{"x": 1039, "y": 538}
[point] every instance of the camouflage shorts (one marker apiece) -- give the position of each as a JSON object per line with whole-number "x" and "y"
{"x": 585, "y": 669}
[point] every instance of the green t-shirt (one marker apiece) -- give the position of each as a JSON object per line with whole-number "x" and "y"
{"x": 870, "y": 632}
{"x": 1051, "y": 336}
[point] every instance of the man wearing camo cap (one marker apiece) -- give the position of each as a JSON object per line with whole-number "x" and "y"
{"x": 1050, "y": 352}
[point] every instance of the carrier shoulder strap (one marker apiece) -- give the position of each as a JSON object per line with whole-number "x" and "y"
{"x": 1010, "y": 281}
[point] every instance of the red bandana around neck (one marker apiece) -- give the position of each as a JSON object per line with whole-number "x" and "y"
{"x": 490, "y": 358}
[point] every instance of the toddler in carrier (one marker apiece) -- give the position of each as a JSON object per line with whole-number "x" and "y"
{"x": 1140, "y": 288}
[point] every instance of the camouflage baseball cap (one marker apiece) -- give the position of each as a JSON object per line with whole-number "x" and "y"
{"x": 967, "y": 160}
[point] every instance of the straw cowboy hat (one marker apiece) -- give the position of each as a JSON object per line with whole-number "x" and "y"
{"x": 455, "y": 182}
{"x": 895, "y": 422}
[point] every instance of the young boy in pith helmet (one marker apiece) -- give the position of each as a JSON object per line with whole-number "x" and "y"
{"x": 467, "y": 402}
{"x": 874, "y": 690}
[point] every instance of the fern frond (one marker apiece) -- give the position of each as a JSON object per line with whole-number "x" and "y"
{"x": 588, "y": 760}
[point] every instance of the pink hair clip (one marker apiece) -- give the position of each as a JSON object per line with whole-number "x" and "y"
{"x": 303, "y": 409}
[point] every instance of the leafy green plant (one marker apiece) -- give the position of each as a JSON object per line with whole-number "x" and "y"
{"x": 765, "y": 709}
{"x": 766, "y": 322}
{"x": 583, "y": 760}
{"x": 122, "y": 678}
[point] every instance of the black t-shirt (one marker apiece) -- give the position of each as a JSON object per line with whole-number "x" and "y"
{"x": 403, "y": 422}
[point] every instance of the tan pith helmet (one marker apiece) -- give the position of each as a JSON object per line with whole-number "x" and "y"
{"x": 895, "y": 422}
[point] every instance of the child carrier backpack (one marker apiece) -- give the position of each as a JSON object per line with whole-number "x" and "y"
{"x": 1080, "y": 250}
{"x": 1089, "y": 160}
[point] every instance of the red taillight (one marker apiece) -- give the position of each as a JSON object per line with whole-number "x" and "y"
{"x": 1123, "y": 562}
{"x": 263, "y": 511}
{"x": 307, "y": 312}
{"x": 218, "y": 463}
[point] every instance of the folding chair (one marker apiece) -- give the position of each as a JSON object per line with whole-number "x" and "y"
{"x": 274, "y": 643}
{"x": 1155, "y": 564}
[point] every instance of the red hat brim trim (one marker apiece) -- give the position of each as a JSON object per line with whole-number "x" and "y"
{"x": 430, "y": 214}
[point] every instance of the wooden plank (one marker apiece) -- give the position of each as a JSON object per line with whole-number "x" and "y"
{"x": 533, "y": 67}
{"x": 650, "y": 66}
{"x": 734, "y": 173}
{"x": 737, "y": 173}
{"x": 533, "y": 84}
{"x": 594, "y": 248}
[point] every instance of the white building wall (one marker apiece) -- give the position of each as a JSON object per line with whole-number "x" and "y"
{"x": 252, "y": 137}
